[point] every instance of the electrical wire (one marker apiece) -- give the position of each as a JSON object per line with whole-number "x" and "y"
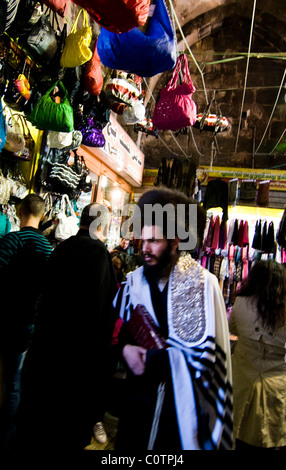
{"x": 246, "y": 73}
{"x": 189, "y": 50}
{"x": 271, "y": 115}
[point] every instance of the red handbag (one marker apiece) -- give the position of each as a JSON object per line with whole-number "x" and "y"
{"x": 175, "y": 108}
{"x": 93, "y": 78}
{"x": 118, "y": 16}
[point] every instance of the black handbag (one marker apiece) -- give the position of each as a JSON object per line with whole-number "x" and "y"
{"x": 42, "y": 41}
{"x": 64, "y": 178}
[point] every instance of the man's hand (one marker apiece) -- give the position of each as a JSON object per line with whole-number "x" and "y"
{"x": 135, "y": 357}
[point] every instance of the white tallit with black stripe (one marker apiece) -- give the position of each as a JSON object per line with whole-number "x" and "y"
{"x": 198, "y": 348}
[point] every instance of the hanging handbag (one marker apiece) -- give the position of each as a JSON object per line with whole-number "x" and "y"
{"x": 92, "y": 135}
{"x": 5, "y": 189}
{"x": 117, "y": 15}
{"x": 64, "y": 178}
{"x": 135, "y": 113}
{"x": 29, "y": 147}
{"x": 8, "y": 10}
{"x": 17, "y": 90}
{"x": 52, "y": 115}
{"x": 28, "y": 14}
{"x": 93, "y": 79}
{"x": 212, "y": 122}
{"x": 143, "y": 53}
{"x": 146, "y": 126}
{"x": 175, "y": 108}
{"x": 15, "y": 141}
{"x": 123, "y": 89}
{"x": 76, "y": 49}
{"x": 42, "y": 41}
{"x": 67, "y": 224}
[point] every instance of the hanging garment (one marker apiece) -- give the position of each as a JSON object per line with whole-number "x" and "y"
{"x": 215, "y": 240}
{"x": 188, "y": 180}
{"x": 217, "y": 196}
{"x": 232, "y": 191}
{"x": 169, "y": 173}
{"x": 256, "y": 243}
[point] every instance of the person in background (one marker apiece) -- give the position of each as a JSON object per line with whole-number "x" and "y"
{"x": 258, "y": 318}
{"x": 23, "y": 263}
{"x": 179, "y": 397}
{"x": 66, "y": 368}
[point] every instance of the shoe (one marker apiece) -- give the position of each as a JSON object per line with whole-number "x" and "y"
{"x": 99, "y": 433}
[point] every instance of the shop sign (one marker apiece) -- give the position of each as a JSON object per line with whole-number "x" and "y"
{"x": 121, "y": 154}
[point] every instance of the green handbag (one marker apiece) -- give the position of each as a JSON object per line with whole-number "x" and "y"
{"x": 54, "y": 111}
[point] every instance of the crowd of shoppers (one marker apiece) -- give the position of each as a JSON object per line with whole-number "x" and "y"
{"x": 185, "y": 392}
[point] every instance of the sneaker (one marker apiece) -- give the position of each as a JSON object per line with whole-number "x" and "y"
{"x": 99, "y": 433}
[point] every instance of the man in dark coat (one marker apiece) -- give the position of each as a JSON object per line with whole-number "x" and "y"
{"x": 65, "y": 370}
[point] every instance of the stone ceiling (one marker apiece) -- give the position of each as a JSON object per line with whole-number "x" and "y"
{"x": 251, "y": 91}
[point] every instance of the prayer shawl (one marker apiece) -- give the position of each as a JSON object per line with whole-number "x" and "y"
{"x": 198, "y": 348}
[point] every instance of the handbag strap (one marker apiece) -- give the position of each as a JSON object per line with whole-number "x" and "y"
{"x": 181, "y": 64}
{"x": 65, "y": 203}
{"x": 84, "y": 20}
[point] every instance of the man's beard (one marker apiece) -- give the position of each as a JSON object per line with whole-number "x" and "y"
{"x": 161, "y": 269}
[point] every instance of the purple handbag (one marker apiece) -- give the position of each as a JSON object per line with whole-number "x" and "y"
{"x": 92, "y": 135}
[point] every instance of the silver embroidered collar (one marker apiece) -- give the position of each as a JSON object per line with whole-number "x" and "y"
{"x": 187, "y": 299}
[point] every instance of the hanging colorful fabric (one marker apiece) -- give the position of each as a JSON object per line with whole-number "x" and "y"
{"x": 76, "y": 49}
{"x": 117, "y": 15}
{"x": 175, "y": 108}
{"x": 143, "y": 53}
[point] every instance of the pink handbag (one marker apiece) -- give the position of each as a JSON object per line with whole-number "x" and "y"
{"x": 175, "y": 108}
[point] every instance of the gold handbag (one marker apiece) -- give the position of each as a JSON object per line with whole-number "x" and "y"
{"x": 76, "y": 49}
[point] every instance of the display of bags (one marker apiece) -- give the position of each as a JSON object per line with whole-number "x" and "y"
{"x": 143, "y": 53}
{"x": 117, "y": 15}
{"x": 212, "y": 122}
{"x": 67, "y": 222}
{"x": 52, "y": 115}
{"x": 93, "y": 79}
{"x": 76, "y": 49}
{"x": 175, "y": 108}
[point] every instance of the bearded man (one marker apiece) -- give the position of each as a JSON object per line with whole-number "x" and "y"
{"x": 179, "y": 397}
